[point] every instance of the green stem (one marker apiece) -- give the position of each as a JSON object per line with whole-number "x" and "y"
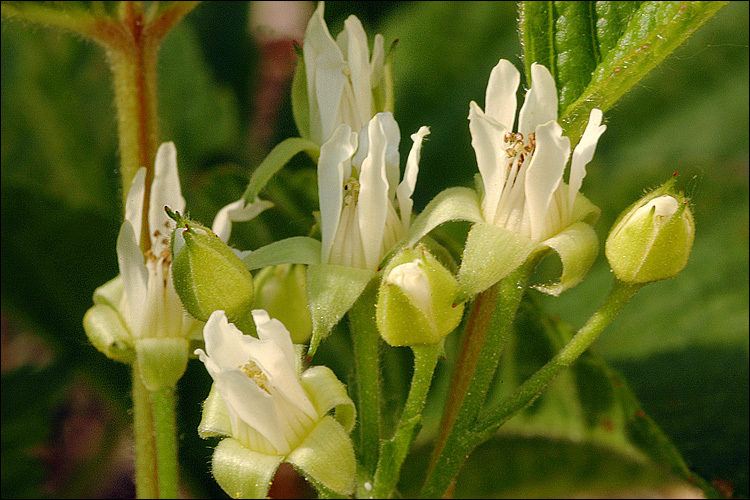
{"x": 155, "y": 440}
{"x": 145, "y": 446}
{"x": 487, "y": 330}
{"x": 165, "y": 429}
{"x": 492, "y": 419}
{"x": 366, "y": 341}
{"x": 393, "y": 452}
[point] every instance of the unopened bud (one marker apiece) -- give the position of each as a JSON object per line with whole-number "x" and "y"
{"x": 415, "y": 301}
{"x": 652, "y": 240}
{"x": 207, "y": 274}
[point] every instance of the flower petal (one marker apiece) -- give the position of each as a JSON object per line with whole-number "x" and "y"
{"x": 540, "y": 105}
{"x": 353, "y": 44}
{"x": 275, "y": 355}
{"x": 487, "y": 139}
{"x": 134, "y": 203}
{"x": 406, "y": 188}
{"x": 134, "y": 276}
{"x": 372, "y": 205}
{"x": 500, "y": 103}
{"x": 583, "y": 153}
{"x": 165, "y": 190}
{"x": 334, "y": 165}
{"x": 324, "y": 65}
{"x": 544, "y": 175}
{"x": 237, "y": 211}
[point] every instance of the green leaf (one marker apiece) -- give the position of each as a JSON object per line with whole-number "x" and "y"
{"x": 597, "y": 51}
{"x": 587, "y": 405}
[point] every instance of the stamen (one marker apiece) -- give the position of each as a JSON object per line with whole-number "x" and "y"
{"x": 256, "y": 374}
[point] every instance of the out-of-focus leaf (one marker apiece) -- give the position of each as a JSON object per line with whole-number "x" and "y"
{"x": 58, "y": 124}
{"x": 596, "y": 51}
{"x": 195, "y": 112}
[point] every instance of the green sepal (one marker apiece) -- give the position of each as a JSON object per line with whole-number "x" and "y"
{"x": 215, "y": 420}
{"x": 242, "y": 472}
{"x": 456, "y": 203}
{"x": 326, "y": 457}
{"x": 108, "y": 333}
{"x": 405, "y": 320}
{"x": 294, "y": 250}
{"x": 327, "y": 392}
{"x": 275, "y": 161}
{"x": 110, "y": 293}
{"x": 332, "y": 291}
{"x": 161, "y": 361}
{"x": 490, "y": 254}
{"x": 577, "y": 246}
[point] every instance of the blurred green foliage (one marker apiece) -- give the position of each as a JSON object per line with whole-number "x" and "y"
{"x": 682, "y": 344}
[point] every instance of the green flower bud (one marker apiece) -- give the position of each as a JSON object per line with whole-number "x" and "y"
{"x": 415, "y": 300}
{"x": 207, "y": 274}
{"x": 652, "y": 240}
{"x": 282, "y": 291}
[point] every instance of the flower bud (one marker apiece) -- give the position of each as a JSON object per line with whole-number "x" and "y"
{"x": 207, "y": 274}
{"x": 652, "y": 240}
{"x": 415, "y": 300}
{"x": 282, "y": 291}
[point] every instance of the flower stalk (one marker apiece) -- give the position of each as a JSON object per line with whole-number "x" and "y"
{"x": 487, "y": 330}
{"x": 446, "y": 469}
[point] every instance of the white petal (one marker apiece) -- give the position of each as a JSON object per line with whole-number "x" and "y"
{"x": 406, "y": 188}
{"x": 324, "y": 66}
{"x": 254, "y": 406}
{"x": 165, "y": 190}
{"x": 237, "y": 211}
{"x": 134, "y": 203}
{"x": 377, "y": 63}
{"x": 275, "y": 331}
{"x": 373, "y": 194}
{"x": 540, "y": 105}
{"x": 488, "y": 143}
{"x": 274, "y": 354}
{"x": 501, "y": 103}
{"x": 583, "y": 153}
{"x": 225, "y": 343}
{"x": 134, "y": 275}
{"x": 353, "y": 44}
{"x": 544, "y": 175}
{"x": 333, "y": 165}
{"x": 392, "y": 158}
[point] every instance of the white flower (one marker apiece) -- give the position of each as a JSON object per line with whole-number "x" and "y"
{"x": 525, "y": 207}
{"x": 270, "y": 413}
{"x": 268, "y": 409}
{"x": 150, "y": 306}
{"x": 522, "y": 171}
{"x": 358, "y": 186}
{"x": 344, "y": 85}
